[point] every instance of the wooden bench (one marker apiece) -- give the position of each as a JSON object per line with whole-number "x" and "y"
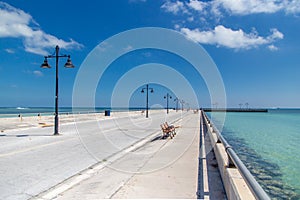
{"x": 167, "y": 130}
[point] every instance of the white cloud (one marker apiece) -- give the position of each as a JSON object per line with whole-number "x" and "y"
{"x": 235, "y": 39}
{"x": 197, "y": 5}
{"x": 11, "y": 51}
{"x": 38, "y": 73}
{"x": 244, "y": 7}
{"x": 177, "y": 26}
{"x": 200, "y": 11}
{"x": 15, "y": 23}
{"x": 275, "y": 35}
{"x": 272, "y": 47}
{"x": 174, "y": 7}
{"x": 292, "y": 6}
{"x": 233, "y": 7}
{"x": 40, "y": 41}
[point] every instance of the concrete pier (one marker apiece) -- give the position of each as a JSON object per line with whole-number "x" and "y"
{"x": 182, "y": 167}
{"x": 118, "y": 157}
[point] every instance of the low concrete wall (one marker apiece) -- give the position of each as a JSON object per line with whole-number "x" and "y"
{"x": 234, "y": 184}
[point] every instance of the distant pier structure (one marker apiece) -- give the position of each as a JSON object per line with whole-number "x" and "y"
{"x": 235, "y": 110}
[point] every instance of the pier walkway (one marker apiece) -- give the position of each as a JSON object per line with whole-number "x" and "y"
{"x": 170, "y": 168}
{"x": 122, "y": 156}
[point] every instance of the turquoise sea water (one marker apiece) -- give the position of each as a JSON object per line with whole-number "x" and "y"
{"x": 33, "y": 111}
{"x": 269, "y": 145}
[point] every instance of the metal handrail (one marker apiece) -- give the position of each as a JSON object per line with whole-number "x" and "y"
{"x": 254, "y": 186}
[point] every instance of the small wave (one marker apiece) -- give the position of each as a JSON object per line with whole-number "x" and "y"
{"x": 21, "y": 108}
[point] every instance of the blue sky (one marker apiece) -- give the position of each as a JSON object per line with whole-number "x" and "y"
{"x": 254, "y": 43}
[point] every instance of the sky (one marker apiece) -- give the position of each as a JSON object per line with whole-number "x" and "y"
{"x": 254, "y": 43}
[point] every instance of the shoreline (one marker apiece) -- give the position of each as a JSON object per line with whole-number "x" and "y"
{"x": 49, "y": 111}
{"x": 42, "y": 121}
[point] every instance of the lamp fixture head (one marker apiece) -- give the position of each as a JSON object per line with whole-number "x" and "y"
{"x": 69, "y": 63}
{"x": 45, "y": 64}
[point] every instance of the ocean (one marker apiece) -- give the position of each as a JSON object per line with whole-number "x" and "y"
{"x": 269, "y": 145}
{"x": 6, "y": 112}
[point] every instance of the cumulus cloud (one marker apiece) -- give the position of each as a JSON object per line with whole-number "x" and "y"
{"x": 236, "y": 7}
{"x": 204, "y": 12}
{"x": 197, "y": 5}
{"x": 226, "y": 37}
{"x": 174, "y": 7}
{"x": 292, "y": 6}
{"x": 245, "y": 7}
{"x": 272, "y": 47}
{"x": 275, "y": 35}
{"x": 15, "y": 23}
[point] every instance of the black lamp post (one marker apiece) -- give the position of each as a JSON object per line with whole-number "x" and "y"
{"x": 168, "y": 97}
{"x": 177, "y": 100}
{"x": 67, "y": 65}
{"x": 182, "y": 102}
{"x": 247, "y": 105}
{"x": 147, "y": 97}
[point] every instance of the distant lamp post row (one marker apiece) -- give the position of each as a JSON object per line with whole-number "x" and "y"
{"x": 246, "y": 104}
{"x": 182, "y": 103}
{"x": 67, "y": 65}
{"x": 177, "y": 101}
{"x": 215, "y": 105}
{"x": 168, "y": 96}
{"x": 147, "y": 88}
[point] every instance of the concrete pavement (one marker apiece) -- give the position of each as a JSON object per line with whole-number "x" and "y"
{"x": 112, "y": 158}
{"x": 158, "y": 169}
{"x": 33, "y": 160}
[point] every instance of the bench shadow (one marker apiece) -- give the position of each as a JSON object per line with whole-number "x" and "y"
{"x": 156, "y": 138}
